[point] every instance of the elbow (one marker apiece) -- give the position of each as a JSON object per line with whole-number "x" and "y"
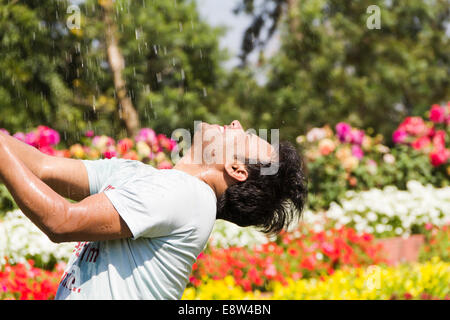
{"x": 57, "y": 237}
{"x": 57, "y": 229}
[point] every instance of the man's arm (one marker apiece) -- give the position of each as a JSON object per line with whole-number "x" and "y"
{"x": 92, "y": 219}
{"x": 30, "y": 156}
{"x": 68, "y": 177}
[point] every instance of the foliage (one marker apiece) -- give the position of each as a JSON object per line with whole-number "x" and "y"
{"x": 60, "y": 77}
{"x": 34, "y": 45}
{"x": 331, "y": 67}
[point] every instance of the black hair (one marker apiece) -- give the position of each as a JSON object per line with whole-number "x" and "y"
{"x": 265, "y": 201}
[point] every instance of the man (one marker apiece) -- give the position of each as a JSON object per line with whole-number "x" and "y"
{"x": 140, "y": 229}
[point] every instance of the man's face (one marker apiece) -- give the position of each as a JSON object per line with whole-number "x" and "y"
{"x": 230, "y": 143}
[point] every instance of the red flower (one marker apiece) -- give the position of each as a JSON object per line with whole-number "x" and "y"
{"x": 408, "y": 296}
{"x": 439, "y": 139}
{"x": 399, "y": 136}
{"x": 421, "y": 143}
{"x": 439, "y": 156}
{"x": 414, "y": 126}
{"x": 437, "y": 113}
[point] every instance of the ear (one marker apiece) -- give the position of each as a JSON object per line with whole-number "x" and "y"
{"x": 236, "y": 171}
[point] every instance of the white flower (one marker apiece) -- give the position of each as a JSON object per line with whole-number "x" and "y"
{"x": 380, "y": 228}
{"x": 372, "y": 216}
{"x": 417, "y": 205}
{"x": 19, "y": 237}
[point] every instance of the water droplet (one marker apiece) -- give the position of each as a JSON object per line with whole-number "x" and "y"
{"x": 159, "y": 77}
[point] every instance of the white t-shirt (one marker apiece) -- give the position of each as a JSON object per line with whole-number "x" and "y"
{"x": 170, "y": 214}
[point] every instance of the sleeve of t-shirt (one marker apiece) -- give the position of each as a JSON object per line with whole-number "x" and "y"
{"x": 99, "y": 171}
{"x": 148, "y": 204}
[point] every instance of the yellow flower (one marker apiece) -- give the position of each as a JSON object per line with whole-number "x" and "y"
{"x": 77, "y": 151}
{"x": 143, "y": 149}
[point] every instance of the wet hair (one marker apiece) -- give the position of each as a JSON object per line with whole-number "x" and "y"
{"x": 269, "y": 202}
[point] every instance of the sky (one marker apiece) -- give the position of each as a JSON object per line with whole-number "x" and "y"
{"x": 220, "y": 13}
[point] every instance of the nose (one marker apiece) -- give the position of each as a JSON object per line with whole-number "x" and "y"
{"x": 235, "y": 124}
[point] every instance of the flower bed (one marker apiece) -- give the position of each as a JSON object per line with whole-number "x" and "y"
{"x": 21, "y": 240}
{"x": 301, "y": 253}
{"x": 437, "y": 243}
{"x": 429, "y": 137}
{"x": 351, "y": 159}
{"x": 389, "y": 212}
{"x": 25, "y": 282}
{"x": 147, "y": 146}
{"x": 430, "y": 280}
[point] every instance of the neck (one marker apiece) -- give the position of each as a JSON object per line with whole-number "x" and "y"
{"x": 207, "y": 174}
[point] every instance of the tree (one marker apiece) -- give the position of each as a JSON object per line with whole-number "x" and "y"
{"x": 342, "y": 70}
{"x": 117, "y": 64}
{"x": 63, "y": 77}
{"x": 32, "y": 88}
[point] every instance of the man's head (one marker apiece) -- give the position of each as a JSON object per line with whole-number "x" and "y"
{"x": 249, "y": 193}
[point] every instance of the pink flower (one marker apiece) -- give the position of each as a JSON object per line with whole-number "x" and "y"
{"x": 164, "y": 165}
{"x": 439, "y": 156}
{"x": 19, "y": 136}
{"x": 147, "y": 135}
{"x": 4, "y": 131}
{"x": 103, "y": 141}
{"x": 110, "y": 153}
{"x": 89, "y": 133}
{"x": 31, "y": 139}
{"x": 270, "y": 271}
{"x": 356, "y": 136}
{"x": 414, "y": 126}
{"x": 47, "y": 136}
{"x": 166, "y": 143}
{"x": 47, "y": 150}
{"x": 357, "y": 152}
{"x": 437, "y": 113}
{"x": 428, "y": 226}
{"x": 439, "y": 139}
{"x": 421, "y": 143}
{"x": 343, "y": 131}
{"x": 399, "y": 136}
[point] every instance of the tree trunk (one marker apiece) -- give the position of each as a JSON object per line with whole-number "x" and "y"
{"x": 127, "y": 112}
{"x": 293, "y": 17}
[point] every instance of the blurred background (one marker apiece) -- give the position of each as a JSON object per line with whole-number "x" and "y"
{"x": 361, "y": 88}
